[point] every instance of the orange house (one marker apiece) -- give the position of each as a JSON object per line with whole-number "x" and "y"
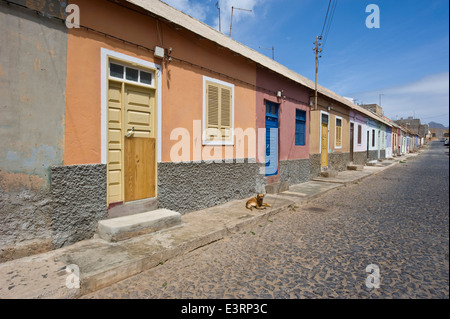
{"x": 158, "y": 105}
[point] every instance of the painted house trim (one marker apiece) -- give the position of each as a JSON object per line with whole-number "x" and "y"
{"x": 204, "y": 122}
{"x": 105, "y": 55}
{"x": 335, "y": 132}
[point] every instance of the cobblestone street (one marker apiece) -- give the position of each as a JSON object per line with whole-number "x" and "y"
{"x": 397, "y": 219}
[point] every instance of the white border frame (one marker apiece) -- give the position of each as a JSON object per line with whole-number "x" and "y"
{"x": 216, "y": 143}
{"x": 328, "y": 138}
{"x": 124, "y": 80}
{"x": 335, "y": 128}
{"x": 104, "y": 74}
{"x": 362, "y": 133}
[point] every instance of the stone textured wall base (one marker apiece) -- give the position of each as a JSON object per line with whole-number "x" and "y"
{"x": 79, "y": 202}
{"x": 187, "y": 187}
{"x": 336, "y": 161}
{"x": 295, "y": 171}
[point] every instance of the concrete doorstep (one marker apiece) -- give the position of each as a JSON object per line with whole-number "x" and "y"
{"x": 117, "y": 254}
{"x": 127, "y": 227}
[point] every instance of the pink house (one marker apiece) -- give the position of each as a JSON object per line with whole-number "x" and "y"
{"x": 284, "y": 105}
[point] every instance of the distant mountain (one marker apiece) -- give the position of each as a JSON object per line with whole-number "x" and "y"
{"x": 437, "y": 125}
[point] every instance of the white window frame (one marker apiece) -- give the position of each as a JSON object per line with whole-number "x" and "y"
{"x": 320, "y": 126}
{"x": 204, "y": 139}
{"x": 136, "y": 67}
{"x": 357, "y": 131}
{"x": 335, "y": 131}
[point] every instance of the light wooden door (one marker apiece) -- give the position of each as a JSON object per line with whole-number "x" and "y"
{"x": 140, "y": 161}
{"x": 131, "y": 142}
{"x": 139, "y": 168}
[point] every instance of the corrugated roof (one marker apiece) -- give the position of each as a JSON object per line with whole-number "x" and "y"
{"x": 173, "y": 15}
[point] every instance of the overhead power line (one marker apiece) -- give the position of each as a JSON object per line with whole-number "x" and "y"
{"x": 326, "y": 17}
{"x": 328, "y": 21}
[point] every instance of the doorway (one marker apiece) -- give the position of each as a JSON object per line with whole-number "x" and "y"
{"x": 352, "y": 141}
{"x": 272, "y": 111}
{"x": 324, "y": 141}
{"x": 131, "y": 134}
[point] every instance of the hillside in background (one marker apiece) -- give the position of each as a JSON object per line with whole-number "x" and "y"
{"x": 437, "y": 125}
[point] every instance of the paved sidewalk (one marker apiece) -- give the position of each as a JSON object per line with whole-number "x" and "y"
{"x": 102, "y": 263}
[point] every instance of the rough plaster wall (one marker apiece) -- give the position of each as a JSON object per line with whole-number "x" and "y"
{"x": 295, "y": 171}
{"x": 32, "y": 106}
{"x": 314, "y": 162}
{"x": 338, "y": 161}
{"x": 359, "y": 158}
{"x": 79, "y": 202}
{"x": 188, "y": 187}
{"x": 21, "y": 223}
{"x": 32, "y": 91}
{"x": 373, "y": 156}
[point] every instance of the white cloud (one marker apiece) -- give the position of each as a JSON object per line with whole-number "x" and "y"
{"x": 196, "y": 10}
{"x": 427, "y": 99}
{"x": 432, "y": 84}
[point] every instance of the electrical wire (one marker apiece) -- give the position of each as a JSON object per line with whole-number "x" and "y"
{"x": 326, "y": 17}
{"x": 329, "y": 24}
{"x": 325, "y": 38}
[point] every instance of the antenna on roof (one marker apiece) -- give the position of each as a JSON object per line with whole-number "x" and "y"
{"x": 273, "y": 51}
{"x": 232, "y": 9}
{"x": 218, "y": 8}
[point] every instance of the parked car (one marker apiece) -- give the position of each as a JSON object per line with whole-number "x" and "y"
{"x": 443, "y": 139}
{"x": 446, "y": 143}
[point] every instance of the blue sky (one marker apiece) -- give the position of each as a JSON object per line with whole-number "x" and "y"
{"x": 406, "y": 59}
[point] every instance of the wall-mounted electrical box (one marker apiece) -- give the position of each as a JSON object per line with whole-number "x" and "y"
{"x": 159, "y": 52}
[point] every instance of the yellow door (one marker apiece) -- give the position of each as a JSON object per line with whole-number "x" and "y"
{"x": 115, "y": 143}
{"x": 131, "y": 143}
{"x": 140, "y": 150}
{"x": 324, "y": 147}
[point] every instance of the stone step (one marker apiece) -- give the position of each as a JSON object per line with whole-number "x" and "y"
{"x": 126, "y": 227}
{"x": 133, "y": 208}
{"x": 355, "y": 167}
{"x": 329, "y": 173}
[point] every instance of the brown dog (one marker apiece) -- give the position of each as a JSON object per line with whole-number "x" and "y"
{"x": 257, "y": 202}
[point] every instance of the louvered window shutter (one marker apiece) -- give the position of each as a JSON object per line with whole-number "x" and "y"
{"x": 212, "y": 106}
{"x": 219, "y": 112}
{"x": 225, "y": 113}
{"x": 338, "y": 133}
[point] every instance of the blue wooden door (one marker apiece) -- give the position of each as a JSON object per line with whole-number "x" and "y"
{"x": 271, "y": 138}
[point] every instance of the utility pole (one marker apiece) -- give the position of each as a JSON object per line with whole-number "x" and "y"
{"x": 232, "y": 10}
{"x": 317, "y": 51}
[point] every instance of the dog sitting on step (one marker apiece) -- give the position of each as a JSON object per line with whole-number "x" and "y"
{"x": 257, "y": 202}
